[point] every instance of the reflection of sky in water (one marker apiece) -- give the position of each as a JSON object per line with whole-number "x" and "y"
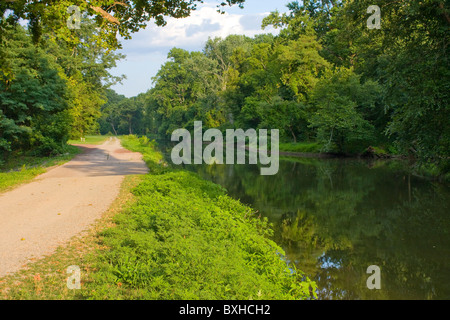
{"x": 327, "y": 262}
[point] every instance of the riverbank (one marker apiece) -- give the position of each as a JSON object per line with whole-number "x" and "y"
{"x": 335, "y": 217}
{"x": 313, "y": 150}
{"x": 184, "y": 238}
{"x": 177, "y": 236}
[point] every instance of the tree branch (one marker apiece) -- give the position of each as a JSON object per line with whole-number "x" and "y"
{"x": 118, "y": 3}
{"x": 444, "y": 13}
{"x": 105, "y": 14}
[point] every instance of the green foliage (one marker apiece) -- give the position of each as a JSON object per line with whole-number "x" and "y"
{"x": 339, "y": 102}
{"x": 123, "y": 116}
{"x": 246, "y": 82}
{"x": 33, "y": 101}
{"x": 23, "y": 167}
{"x": 110, "y": 113}
{"x": 52, "y": 91}
{"x": 186, "y": 89}
{"x": 53, "y": 78}
{"x": 184, "y": 238}
{"x": 396, "y": 96}
{"x": 86, "y": 67}
{"x": 301, "y": 147}
{"x": 408, "y": 58}
{"x": 113, "y": 18}
{"x": 85, "y": 108}
{"x": 325, "y": 77}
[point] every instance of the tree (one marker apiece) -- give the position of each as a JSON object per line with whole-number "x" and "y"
{"x": 411, "y": 61}
{"x": 301, "y": 65}
{"x": 285, "y": 115}
{"x": 222, "y": 51}
{"x": 338, "y": 102}
{"x": 87, "y": 67}
{"x": 85, "y": 102}
{"x": 186, "y": 90}
{"x": 121, "y": 115}
{"x": 33, "y": 100}
{"x": 112, "y": 17}
{"x": 408, "y": 57}
{"x": 109, "y": 120}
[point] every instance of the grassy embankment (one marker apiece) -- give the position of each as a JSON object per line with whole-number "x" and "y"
{"x": 21, "y": 168}
{"x": 307, "y": 147}
{"x": 177, "y": 237}
{"x": 424, "y": 170}
{"x": 315, "y": 147}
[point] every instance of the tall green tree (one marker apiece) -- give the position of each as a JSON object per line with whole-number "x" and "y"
{"x": 185, "y": 90}
{"x": 409, "y": 57}
{"x": 88, "y": 68}
{"x": 110, "y": 116}
{"x": 33, "y": 100}
{"x": 338, "y": 109}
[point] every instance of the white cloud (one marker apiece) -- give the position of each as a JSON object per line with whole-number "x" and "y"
{"x": 148, "y": 48}
{"x": 193, "y": 31}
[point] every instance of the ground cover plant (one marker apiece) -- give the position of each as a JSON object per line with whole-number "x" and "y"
{"x": 184, "y": 238}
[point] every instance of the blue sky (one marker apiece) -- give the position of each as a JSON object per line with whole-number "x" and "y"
{"x": 148, "y": 48}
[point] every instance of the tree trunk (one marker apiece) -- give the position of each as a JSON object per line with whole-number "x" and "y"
{"x": 293, "y": 135}
{"x": 114, "y": 129}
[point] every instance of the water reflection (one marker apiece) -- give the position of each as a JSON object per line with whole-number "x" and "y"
{"x": 334, "y": 218}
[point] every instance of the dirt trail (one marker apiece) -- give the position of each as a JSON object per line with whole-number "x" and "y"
{"x": 38, "y": 217}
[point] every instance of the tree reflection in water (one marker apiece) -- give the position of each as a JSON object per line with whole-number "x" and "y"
{"x": 336, "y": 217}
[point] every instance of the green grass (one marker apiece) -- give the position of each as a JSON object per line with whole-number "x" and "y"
{"x": 47, "y": 278}
{"x": 22, "y": 168}
{"x": 89, "y": 140}
{"x": 175, "y": 236}
{"x": 184, "y": 238}
{"x": 310, "y": 147}
{"x": 10, "y": 179}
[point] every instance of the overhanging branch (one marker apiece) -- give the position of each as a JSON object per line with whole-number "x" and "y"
{"x": 105, "y": 14}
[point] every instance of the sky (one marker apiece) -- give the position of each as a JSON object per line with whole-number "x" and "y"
{"x": 148, "y": 48}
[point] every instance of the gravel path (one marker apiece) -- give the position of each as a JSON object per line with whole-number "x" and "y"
{"x": 38, "y": 217}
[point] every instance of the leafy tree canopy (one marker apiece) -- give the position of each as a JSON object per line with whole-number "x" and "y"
{"x": 114, "y": 18}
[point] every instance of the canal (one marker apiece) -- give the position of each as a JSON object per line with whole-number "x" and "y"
{"x": 336, "y": 217}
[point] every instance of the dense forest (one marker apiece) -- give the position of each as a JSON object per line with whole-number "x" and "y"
{"x": 326, "y": 78}
{"x": 54, "y": 76}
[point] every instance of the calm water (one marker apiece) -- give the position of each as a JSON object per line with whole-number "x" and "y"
{"x": 336, "y": 217}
